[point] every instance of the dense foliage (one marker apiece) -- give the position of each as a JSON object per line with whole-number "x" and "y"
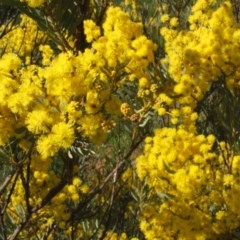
{"x": 119, "y": 119}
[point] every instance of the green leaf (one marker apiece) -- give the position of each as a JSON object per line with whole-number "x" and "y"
{"x": 167, "y": 168}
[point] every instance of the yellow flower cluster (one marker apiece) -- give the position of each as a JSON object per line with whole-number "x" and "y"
{"x": 42, "y": 180}
{"x": 193, "y": 187}
{"x": 34, "y": 3}
{"x": 73, "y": 90}
{"x": 196, "y": 195}
{"x": 201, "y": 55}
{"x": 47, "y": 103}
{"x": 26, "y": 37}
{"x": 114, "y": 236}
{"x": 125, "y": 109}
{"x": 91, "y": 30}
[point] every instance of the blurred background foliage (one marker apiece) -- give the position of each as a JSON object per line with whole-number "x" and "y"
{"x": 116, "y": 205}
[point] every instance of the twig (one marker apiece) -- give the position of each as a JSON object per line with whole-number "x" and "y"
{"x": 7, "y": 181}
{"x": 112, "y": 174}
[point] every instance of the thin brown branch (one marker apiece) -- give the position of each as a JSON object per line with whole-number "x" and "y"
{"x": 80, "y": 43}
{"x": 19, "y": 228}
{"x": 5, "y": 29}
{"x": 25, "y": 185}
{"x": 67, "y": 172}
{"x": 51, "y": 194}
{"x": 10, "y": 193}
{"x": 114, "y": 173}
{"x": 66, "y": 178}
{"x": 7, "y": 201}
{"x": 7, "y": 181}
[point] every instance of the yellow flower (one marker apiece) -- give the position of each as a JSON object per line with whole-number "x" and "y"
{"x": 71, "y": 189}
{"x": 220, "y": 215}
{"x": 161, "y": 111}
{"x": 34, "y": 3}
{"x": 84, "y": 188}
{"x": 174, "y": 120}
{"x": 144, "y": 83}
{"x": 236, "y": 164}
{"x": 228, "y": 180}
{"x": 39, "y": 121}
{"x": 9, "y": 62}
{"x": 77, "y": 181}
{"x": 92, "y": 102}
{"x": 91, "y": 30}
{"x": 165, "y": 18}
{"x": 174, "y": 22}
{"x": 47, "y": 54}
{"x": 75, "y": 197}
{"x": 63, "y": 134}
{"x": 46, "y": 147}
{"x": 125, "y": 109}
{"x": 90, "y": 127}
{"x": 175, "y": 113}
